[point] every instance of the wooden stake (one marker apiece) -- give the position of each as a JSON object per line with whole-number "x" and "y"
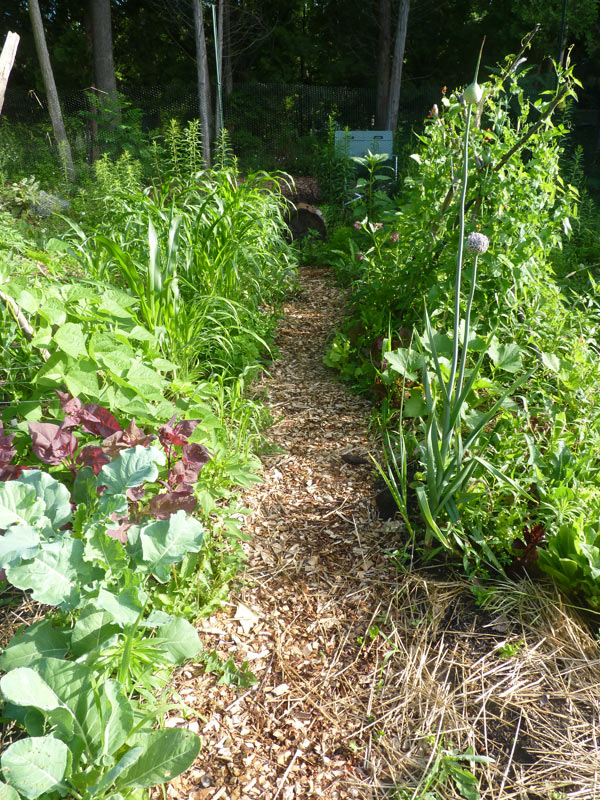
{"x": 7, "y": 59}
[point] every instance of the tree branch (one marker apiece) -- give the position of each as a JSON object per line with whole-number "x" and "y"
{"x": 21, "y": 321}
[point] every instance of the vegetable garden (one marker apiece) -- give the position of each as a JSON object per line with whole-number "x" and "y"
{"x": 135, "y": 324}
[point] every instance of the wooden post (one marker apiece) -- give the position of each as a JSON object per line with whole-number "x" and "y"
{"x": 7, "y": 59}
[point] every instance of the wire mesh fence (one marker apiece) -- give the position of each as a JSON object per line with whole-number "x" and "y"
{"x": 271, "y": 126}
{"x": 266, "y": 119}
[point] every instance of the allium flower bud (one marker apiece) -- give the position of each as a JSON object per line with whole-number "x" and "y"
{"x": 477, "y": 243}
{"x": 473, "y": 94}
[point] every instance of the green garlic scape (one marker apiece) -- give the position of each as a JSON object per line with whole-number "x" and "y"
{"x": 473, "y": 93}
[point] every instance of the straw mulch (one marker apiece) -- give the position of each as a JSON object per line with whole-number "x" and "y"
{"x": 372, "y": 682}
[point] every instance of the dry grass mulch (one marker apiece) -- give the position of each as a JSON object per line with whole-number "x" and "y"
{"x": 374, "y": 682}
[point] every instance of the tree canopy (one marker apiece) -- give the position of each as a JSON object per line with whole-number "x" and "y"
{"x": 325, "y": 42}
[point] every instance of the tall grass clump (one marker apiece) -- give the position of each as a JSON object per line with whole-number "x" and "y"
{"x": 204, "y": 253}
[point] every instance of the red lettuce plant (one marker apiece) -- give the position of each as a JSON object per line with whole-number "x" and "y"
{"x": 8, "y": 471}
{"x": 55, "y": 444}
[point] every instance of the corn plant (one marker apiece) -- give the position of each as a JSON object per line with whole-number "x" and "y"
{"x": 152, "y": 280}
{"x": 206, "y": 259}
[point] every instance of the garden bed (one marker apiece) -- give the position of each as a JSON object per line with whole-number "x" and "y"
{"x": 375, "y": 677}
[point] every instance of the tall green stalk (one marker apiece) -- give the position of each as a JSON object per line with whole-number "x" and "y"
{"x": 472, "y": 96}
{"x": 457, "y": 288}
{"x": 463, "y": 360}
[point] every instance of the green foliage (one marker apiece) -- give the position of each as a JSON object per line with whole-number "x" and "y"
{"x": 19, "y": 196}
{"x": 116, "y": 125}
{"x": 515, "y": 186}
{"x": 177, "y": 154}
{"x": 572, "y": 559}
{"x": 103, "y": 577}
{"x": 89, "y": 337}
{"x": 452, "y": 450}
{"x": 114, "y": 177}
{"x": 373, "y": 198}
{"x": 203, "y": 258}
{"x": 446, "y": 442}
{"x": 34, "y": 507}
{"x": 334, "y": 169}
{"x": 513, "y": 457}
{"x": 24, "y": 149}
{"x": 446, "y": 773}
{"x": 97, "y": 744}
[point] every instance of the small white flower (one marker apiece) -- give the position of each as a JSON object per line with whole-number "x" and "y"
{"x": 477, "y": 243}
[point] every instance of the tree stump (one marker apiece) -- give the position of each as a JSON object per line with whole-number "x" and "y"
{"x": 303, "y": 218}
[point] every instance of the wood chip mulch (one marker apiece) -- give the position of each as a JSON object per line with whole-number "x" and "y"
{"x": 374, "y": 680}
{"x": 316, "y": 580}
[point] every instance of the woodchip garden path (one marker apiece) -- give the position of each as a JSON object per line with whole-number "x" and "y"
{"x": 366, "y": 674}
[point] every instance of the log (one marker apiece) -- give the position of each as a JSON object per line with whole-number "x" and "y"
{"x": 7, "y": 59}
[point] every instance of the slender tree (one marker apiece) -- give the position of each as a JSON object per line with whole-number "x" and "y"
{"x": 203, "y": 79}
{"x": 102, "y": 48}
{"x": 384, "y": 19}
{"x": 7, "y": 59}
{"x": 396, "y": 79}
{"x": 56, "y": 117}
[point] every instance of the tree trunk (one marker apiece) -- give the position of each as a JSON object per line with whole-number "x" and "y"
{"x": 396, "y": 79}
{"x": 50, "y": 86}
{"x": 7, "y": 59}
{"x": 227, "y": 65}
{"x": 219, "y": 60}
{"x": 383, "y": 62}
{"x": 104, "y": 68}
{"x": 203, "y": 80}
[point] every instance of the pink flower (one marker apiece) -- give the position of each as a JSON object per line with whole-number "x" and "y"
{"x": 359, "y": 256}
{"x": 357, "y": 225}
{"x": 395, "y": 236}
{"x": 377, "y": 226}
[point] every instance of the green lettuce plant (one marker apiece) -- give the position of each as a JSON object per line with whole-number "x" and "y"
{"x": 572, "y": 559}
